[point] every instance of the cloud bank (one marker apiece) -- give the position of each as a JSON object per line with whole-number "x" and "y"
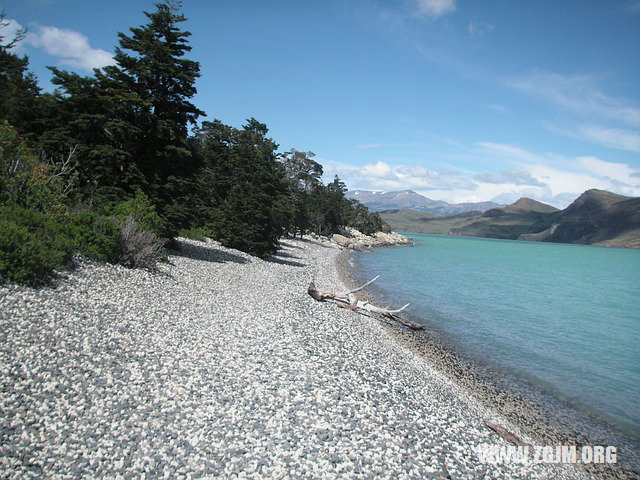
{"x": 548, "y": 177}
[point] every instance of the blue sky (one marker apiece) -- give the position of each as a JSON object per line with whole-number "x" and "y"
{"x": 457, "y": 100}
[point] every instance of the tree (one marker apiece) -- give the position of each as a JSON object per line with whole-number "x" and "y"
{"x": 155, "y": 82}
{"x": 19, "y": 93}
{"x": 242, "y": 186}
{"x": 132, "y": 118}
{"x": 365, "y": 221}
{"x": 337, "y": 208}
{"x": 303, "y": 175}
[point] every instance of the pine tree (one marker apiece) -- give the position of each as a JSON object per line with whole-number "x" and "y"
{"x": 84, "y": 114}
{"x": 242, "y": 186}
{"x": 155, "y": 82}
{"x": 338, "y": 211}
{"x": 132, "y": 118}
{"x": 303, "y": 175}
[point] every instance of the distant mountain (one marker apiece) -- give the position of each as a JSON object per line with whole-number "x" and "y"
{"x": 524, "y": 205}
{"x": 409, "y": 200}
{"x": 596, "y": 217}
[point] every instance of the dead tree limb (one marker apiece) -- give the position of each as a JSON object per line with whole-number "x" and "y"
{"x": 348, "y": 300}
{"x": 506, "y": 434}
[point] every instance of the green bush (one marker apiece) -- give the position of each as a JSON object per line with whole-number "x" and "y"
{"x": 96, "y": 236}
{"x": 142, "y": 210}
{"x": 32, "y": 244}
{"x": 200, "y": 234}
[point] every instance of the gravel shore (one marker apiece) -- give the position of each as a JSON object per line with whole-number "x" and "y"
{"x": 221, "y": 366}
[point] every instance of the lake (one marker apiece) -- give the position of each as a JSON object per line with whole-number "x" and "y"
{"x": 566, "y": 317}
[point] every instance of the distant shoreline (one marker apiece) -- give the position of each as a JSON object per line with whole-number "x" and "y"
{"x": 537, "y": 412}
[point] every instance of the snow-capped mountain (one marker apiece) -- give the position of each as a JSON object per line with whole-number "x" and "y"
{"x": 377, "y": 201}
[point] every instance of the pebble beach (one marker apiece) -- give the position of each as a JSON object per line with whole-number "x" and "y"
{"x": 219, "y": 365}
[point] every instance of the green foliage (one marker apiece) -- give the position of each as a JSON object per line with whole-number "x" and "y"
{"x": 365, "y": 221}
{"x": 20, "y": 100}
{"x": 20, "y": 172}
{"x": 95, "y": 236}
{"x": 142, "y": 210}
{"x": 303, "y": 177}
{"x": 157, "y": 82}
{"x": 198, "y": 233}
{"x": 242, "y": 187}
{"x": 130, "y": 120}
{"x": 28, "y": 181}
{"x": 337, "y": 209}
{"x": 32, "y": 244}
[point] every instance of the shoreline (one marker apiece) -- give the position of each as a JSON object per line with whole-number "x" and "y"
{"x": 540, "y": 415}
{"x": 221, "y": 365}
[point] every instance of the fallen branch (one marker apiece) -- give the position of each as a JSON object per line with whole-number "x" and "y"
{"x": 348, "y": 300}
{"x": 506, "y": 434}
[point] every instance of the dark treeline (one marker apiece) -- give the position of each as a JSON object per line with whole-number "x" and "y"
{"x": 115, "y": 164}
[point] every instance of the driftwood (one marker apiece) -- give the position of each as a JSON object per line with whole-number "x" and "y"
{"x": 348, "y": 300}
{"x": 506, "y": 434}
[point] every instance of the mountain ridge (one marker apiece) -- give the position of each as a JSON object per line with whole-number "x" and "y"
{"x": 380, "y": 200}
{"x": 596, "y": 217}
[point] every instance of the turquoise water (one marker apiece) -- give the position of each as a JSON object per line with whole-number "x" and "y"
{"x": 567, "y": 316}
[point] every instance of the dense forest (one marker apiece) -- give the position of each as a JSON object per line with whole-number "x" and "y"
{"x": 118, "y": 164}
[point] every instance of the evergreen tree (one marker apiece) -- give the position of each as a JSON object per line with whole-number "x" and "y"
{"x": 83, "y": 114}
{"x": 132, "y": 118}
{"x": 19, "y": 93}
{"x": 337, "y": 208}
{"x": 303, "y": 175}
{"x": 365, "y": 221}
{"x": 242, "y": 185}
{"x": 156, "y": 83}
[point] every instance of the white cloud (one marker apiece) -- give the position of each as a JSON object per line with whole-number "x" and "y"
{"x": 598, "y": 118}
{"x": 434, "y": 8}
{"x": 546, "y": 177}
{"x": 620, "y": 172}
{"x": 378, "y": 170}
{"x": 514, "y": 153}
{"x": 619, "y": 138}
{"x": 8, "y": 30}
{"x": 579, "y": 94}
{"x": 71, "y": 47}
{"x": 516, "y": 177}
{"x": 382, "y": 176}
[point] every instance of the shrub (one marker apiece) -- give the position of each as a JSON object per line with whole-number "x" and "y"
{"x": 139, "y": 247}
{"x": 32, "y": 244}
{"x": 141, "y": 210}
{"x": 200, "y": 234}
{"x": 29, "y": 181}
{"x": 20, "y": 171}
{"x": 96, "y": 236}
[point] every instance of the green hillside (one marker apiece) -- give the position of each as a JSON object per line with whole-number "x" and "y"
{"x": 596, "y": 217}
{"x": 422, "y": 222}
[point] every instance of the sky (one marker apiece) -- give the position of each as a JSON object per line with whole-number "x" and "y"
{"x": 461, "y": 101}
